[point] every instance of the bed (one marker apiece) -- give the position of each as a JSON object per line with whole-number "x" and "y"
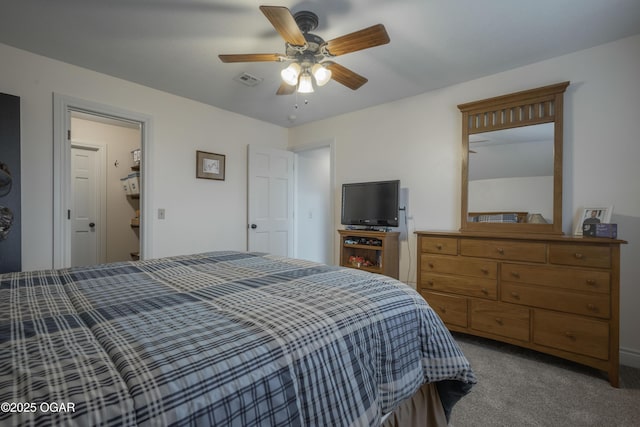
{"x": 220, "y": 338}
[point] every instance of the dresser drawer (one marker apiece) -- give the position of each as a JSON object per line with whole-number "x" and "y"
{"x": 503, "y": 249}
{"x": 505, "y": 320}
{"x": 557, "y": 277}
{"x": 589, "y": 337}
{"x": 588, "y": 304}
{"x": 451, "y": 309}
{"x": 581, "y": 255}
{"x": 462, "y": 285}
{"x": 439, "y": 245}
{"x": 459, "y": 265}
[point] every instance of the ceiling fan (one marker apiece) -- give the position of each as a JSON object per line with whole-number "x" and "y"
{"x": 309, "y": 55}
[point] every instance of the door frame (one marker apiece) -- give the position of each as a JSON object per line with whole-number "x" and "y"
{"x": 101, "y": 211}
{"x": 63, "y": 105}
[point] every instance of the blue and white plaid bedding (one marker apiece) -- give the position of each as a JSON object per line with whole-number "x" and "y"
{"x": 221, "y": 338}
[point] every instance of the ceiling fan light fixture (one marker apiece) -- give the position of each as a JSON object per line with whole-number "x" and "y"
{"x": 290, "y": 74}
{"x": 306, "y": 51}
{"x": 305, "y": 84}
{"x": 321, "y": 74}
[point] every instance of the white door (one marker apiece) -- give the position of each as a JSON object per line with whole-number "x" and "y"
{"x": 270, "y": 200}
{"x": 85, "y": 206}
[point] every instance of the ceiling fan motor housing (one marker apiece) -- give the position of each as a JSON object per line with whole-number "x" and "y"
{"x": 312, "y": 49}
{"x": 307, "y": 21}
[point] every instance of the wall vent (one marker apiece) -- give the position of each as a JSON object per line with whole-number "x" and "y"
{"x": 247, "y": 79}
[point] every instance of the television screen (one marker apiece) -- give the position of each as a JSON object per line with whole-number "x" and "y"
{"x": 371, "y": 203}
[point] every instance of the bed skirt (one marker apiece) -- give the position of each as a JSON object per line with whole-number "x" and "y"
{"x": 422, "y": 410}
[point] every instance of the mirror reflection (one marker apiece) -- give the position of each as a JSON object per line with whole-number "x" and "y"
{"x": 511, "y": 170}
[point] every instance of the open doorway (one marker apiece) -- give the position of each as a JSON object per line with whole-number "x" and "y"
{"x": 105, "y": 191}
{"x": 315, "y": 230}
{"x": 120, "y": 139}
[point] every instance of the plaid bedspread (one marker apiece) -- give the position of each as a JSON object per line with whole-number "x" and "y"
{"x": 221, "y": 338}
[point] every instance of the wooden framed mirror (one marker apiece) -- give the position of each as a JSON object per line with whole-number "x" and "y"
{"x": 512, "y": 162}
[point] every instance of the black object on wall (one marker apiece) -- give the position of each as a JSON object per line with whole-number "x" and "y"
{"x": 10, "y": 224}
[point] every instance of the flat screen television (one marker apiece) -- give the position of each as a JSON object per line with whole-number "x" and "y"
{"x": 371, "y": 203}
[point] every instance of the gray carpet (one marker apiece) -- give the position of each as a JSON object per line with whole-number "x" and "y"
{"x": 519, "y": 387}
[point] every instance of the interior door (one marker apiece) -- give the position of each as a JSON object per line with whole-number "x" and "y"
{"x": 85, "y": 206}
{"x": 270, "y": 200}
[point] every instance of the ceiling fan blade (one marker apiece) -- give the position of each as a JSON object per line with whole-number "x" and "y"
{"x": 252, "y": 57}
{"x": 345, "y": 76}
{"x": 284, "y": 23}
{"x": 285, "y": 89}
{"x": 369, "y": 37}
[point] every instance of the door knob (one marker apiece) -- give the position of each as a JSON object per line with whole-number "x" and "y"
{"x": 253, "y": 226}
{"x": 92, "y": 224}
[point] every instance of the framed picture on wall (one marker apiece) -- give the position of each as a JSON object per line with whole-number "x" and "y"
{"x": 210, "y": 165}
{"x": 596, "y": 214}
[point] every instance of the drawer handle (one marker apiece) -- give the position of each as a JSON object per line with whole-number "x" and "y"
{"x": 592, "y": 307}
{"x": 430, "y": 282}
{"x": 570, "y": 335}
{"x": 515, "y": 295}
{"x": 439, "y": 246}
{"x": 430, "y": 265}
{"x": 515, "y": 274}
{"x": 485, "y": 291}
{"x": 443, "y": 309}
{"x": 500, "y": 251}
{"x": 591, "y": 282}
{"x": 485, "y": 270}
{"x": 499, "y": 321}
{"x": 578, "y": 255}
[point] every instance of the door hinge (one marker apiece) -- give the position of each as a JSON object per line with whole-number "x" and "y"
{"x": 69, "y": 134}
{"x": 68, "y": 213}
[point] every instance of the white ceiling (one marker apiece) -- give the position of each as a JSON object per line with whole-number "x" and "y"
{"x": 173, "y": 45}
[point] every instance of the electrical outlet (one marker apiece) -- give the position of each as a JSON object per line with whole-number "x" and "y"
{"x": 161, "y": 213}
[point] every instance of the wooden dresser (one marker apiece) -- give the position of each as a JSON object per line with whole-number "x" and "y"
{"x": 551, "y": 293}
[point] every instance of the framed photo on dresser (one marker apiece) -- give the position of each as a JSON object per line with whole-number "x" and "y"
{"x": 595, "y": 214}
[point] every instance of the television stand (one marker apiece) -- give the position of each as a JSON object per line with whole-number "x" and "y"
{"x": 373, "y": 251}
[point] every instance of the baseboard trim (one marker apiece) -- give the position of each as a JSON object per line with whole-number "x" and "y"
{"x": 629, "y": 357}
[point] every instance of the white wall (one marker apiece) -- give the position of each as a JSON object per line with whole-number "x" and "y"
{"x": 418, "y": 141}
{"x": 200, "y": 214}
